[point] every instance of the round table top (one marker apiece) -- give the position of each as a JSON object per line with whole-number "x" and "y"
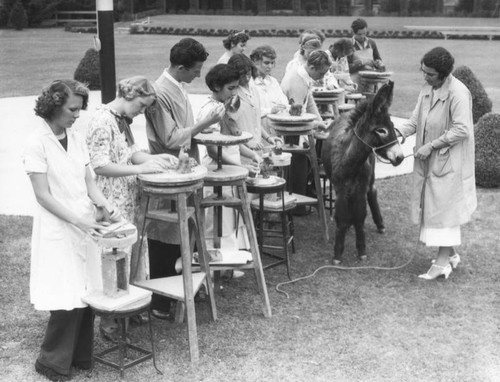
{"x": 288, "y": 120}
{"x": 354, "y": 96}
{"x": 226, "y": 173}
{"x": 320, "y": 93}
{"x": 298, "y": 128}
{"x": 260, "y": 184}
{"x": 173, "y": 178}
{"x": 374, "y": 75}
{"x": 216, "y": 138}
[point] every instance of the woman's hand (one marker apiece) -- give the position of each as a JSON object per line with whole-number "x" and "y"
{"x": 255, "y": 146}
{"x": 170, "y": 160}
{"x": 274, "y": 140}
{"x": 215, "y": 115}
{"x": 320, "y": 126}
{"x": 278, "y": 108}
{"x": 424, "y": 152}
{"x": 153, "y": 165}
{"x": 90, "y": 227}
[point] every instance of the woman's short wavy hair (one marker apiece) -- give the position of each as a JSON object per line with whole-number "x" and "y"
{"x": 263, "y": 51}
{"x": 242, "y": 64}
{"x": 133, "y": 87}
{"x": 319, "y": 59}
{"x": 234, "y": 38}
{"x": 220, "y": 75}
{"x": 440, "y": 60}
{"x": 55, "y": 95}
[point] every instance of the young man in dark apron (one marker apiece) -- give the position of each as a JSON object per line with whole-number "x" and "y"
{"x": 366, "y": 55}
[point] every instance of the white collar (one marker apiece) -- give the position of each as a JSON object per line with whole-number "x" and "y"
{"x": 301, "y": 71}
{"x": 180, "y": 85}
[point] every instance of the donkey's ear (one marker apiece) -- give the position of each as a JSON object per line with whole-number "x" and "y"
{"x": 383, "y": 98}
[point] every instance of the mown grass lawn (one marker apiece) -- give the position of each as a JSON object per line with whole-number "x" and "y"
{"x": 341, "y": 325}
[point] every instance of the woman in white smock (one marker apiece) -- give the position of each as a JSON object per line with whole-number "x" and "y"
{"x": 65, "y": 259}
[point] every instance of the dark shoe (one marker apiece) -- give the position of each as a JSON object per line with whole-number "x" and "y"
{"x": 84, "y": 365}
{"x": 161, "y": 314}
{"x": 50, "y": 373}
{"x": 138, "y": 320}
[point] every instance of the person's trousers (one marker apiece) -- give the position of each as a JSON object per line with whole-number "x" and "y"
{"x": 162, "y": 258}
{"x": 298, "y": 172}
{"x": 68, "y": 340}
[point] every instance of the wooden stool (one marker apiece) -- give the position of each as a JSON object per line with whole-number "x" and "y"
{"x": 119, "y": 300}
{"x": 235, "y": 176}
{"x": 121, "y": 315}
{"x": 283, "y": 205}
{"x": 311, "y": 154}
{"x": 181, "y": 288}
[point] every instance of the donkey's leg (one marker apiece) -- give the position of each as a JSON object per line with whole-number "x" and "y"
{"x": 342, "y": 225}
{"x": 359, "y": 216}
{"x": 375, "y": 209}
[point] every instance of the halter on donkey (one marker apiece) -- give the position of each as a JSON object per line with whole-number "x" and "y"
{"x": 349, "y": 159}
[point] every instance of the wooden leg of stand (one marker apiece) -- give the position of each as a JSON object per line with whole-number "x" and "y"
{"x": 202, "y": 250}
{"x": 317, "y": 184}
{"x": 187, "y": 278}
{"x": 137, "y": 247}
{"x": 259, "y": 272}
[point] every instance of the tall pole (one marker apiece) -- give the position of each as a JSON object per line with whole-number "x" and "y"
{"x": 106, "y": 35}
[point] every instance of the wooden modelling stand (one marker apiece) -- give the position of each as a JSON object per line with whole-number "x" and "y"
{"x": 283, "y": 206}
{"x": 235, "y": 176}
{"x": 120, "y": 301}
{"x": 310, "y": 153}
{"x": 184, "y": 287}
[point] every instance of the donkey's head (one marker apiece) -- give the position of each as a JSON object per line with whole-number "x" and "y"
{"x": 228, "y": 122}
{"x": 375, "y": 128}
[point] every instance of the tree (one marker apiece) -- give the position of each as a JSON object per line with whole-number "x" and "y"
{"x": 18, "y": 18}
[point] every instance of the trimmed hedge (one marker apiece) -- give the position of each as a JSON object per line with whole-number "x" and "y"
{"x": 481, "y": 103}
{"x": 18, "y": 18}
{"x": 330, "y": 33}
{"x": 88, "y": 70}
{"x": 487, "y": 136}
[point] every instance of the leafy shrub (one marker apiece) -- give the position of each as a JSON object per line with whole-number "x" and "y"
{"x": 89, "y": 70}
{"x": 481, "y": 103}
{"x": 18, "y": 18}
{"x": 487, "y": 136}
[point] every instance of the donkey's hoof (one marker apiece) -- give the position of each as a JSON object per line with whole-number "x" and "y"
{"x": 336, "y": 261}
{"x": 381, "y": 229}
{"x": 363, "y": 258}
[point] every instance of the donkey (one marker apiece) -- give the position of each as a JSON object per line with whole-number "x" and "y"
{"x": 349, "y": 158}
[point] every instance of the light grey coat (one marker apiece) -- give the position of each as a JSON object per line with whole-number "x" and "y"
{"x": 446, "y": 178}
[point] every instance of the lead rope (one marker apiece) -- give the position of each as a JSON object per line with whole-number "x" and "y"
{"x": 339, "y": 267}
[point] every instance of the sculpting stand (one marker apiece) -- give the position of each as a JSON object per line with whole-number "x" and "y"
{"x": 120, "y": 301}
{"x": 184, "y": 287}
{"x": 235, "y": 176}
{"x": 310, "y": 153}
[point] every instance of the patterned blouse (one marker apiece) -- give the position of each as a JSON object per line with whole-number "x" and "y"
{"x": 107, "y": 144}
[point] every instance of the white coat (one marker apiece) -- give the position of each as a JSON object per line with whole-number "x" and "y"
{"x": 448, "y": 183}
{"x": 65, "y": 262}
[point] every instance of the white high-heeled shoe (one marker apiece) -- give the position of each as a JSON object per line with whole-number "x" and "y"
{"x": 436, "y": 271}
{"x": 453, "y": 260}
